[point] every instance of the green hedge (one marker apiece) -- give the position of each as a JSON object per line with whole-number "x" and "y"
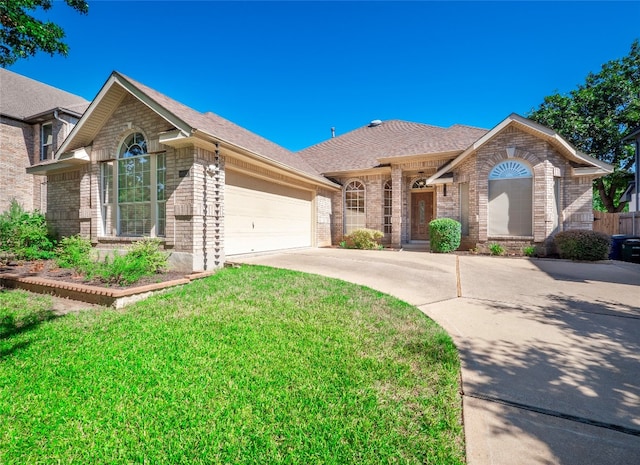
{"x": 444, "y": 235}
{"x": 24, "y": 234}
{"x": 582, "y": 245}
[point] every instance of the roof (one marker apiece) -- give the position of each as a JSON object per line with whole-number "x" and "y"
{"x": 187, "y": 120}
{"x": 221, "y": 128}
{"x": 23, "y": 98}
{"x": 586, "y": 163}
{"x": 369, "y": 146}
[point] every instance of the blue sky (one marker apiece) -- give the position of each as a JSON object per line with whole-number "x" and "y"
{"x": 290, "y": 71}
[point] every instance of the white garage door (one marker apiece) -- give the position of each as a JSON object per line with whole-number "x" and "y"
{"x": 261, "y": 216}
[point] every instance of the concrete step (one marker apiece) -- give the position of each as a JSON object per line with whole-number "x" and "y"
{"x": 416, "y": 245}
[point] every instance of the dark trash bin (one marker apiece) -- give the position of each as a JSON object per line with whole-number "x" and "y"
{"x": 616, "y": 245}
{"x": 631, "y": 250}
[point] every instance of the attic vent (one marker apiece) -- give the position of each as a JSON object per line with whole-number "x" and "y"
{"x": 374, "y": 123}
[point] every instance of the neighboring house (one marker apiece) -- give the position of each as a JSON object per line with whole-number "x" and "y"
{"x": 141, "y": 164}
{"x": 34, "y": 120}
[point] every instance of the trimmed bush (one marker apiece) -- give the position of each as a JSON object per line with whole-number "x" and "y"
{"x": 579, "y": 244}
{"x": 444, "y": 235}
{"x": 24, "y": 234}
{"x": 364, "y": 239}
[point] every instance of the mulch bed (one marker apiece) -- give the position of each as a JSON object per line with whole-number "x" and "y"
{"x": 49, "y": 270}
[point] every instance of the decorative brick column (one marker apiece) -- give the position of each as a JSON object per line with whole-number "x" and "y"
{"x": 396, "y": 206}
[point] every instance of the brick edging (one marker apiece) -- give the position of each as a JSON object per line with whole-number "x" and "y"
{"x": 117, "y": 298}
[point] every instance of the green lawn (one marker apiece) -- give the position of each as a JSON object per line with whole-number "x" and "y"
{"x": 251, "y": 365}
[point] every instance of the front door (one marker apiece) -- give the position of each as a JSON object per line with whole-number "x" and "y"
{"x": 421, "y": 215}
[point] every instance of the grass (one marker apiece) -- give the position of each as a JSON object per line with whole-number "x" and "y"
{"x": 251, "y": 365}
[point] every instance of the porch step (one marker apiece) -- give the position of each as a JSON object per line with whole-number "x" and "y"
{"x": 416, "y": 245}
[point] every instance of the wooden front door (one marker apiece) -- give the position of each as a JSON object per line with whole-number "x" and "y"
{"x": 421, "y": 215}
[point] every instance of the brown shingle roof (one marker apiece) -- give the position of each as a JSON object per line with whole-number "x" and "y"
{"x": 221, "y": 128}
{"x": 362, "y": 148}
{"x": 22, "y": 97}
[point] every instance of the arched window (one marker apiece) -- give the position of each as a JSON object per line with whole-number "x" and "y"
{"x": 354, "y": 207}
{"x": 510, "y": 207}
{"x": 420, "y": 183}
{"x": 141, "y": 189}
{"x": 387, "y": 204}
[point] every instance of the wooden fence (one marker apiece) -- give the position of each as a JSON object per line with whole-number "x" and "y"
{"x": 616, "y": 223}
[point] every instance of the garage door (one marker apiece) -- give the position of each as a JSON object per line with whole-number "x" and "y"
{"x": 261, "y": 216}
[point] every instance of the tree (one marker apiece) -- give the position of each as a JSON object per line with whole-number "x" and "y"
{"x": 596, "y": 116}
{"x": 22, "y": 35}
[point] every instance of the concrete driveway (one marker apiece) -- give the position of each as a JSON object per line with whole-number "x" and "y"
{"x": 550, "y": 349}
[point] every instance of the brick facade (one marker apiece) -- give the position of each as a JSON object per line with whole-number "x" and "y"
{"x": 195, "y": 182}
{"x": 561, "y": 200}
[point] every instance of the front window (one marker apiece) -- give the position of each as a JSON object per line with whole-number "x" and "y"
{"x": 46, "y": 141}
{"x": 354, "y": 211}
{"x": 510, "y": 207}
{"x": 140, "y": 182}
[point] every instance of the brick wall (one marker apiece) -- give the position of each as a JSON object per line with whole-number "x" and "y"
{"x": 546, "y": 165}
{"x": 16, "y": 154}
{"x": 63, "y": 190}
{"x": 323, "y": 206}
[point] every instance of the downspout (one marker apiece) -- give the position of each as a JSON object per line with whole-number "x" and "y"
{"x": 65, "y": 123}
{"x": 204, "y": 219}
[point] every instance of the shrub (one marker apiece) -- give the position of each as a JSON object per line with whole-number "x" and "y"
{"x": 529, "y": 251}
{"x": 143, "y": 258}
{"x": 148, "y": 251}
{"x": 579, "y": 244}
{"x": 444, "y": 235}
{"x": 74, "y": 252}
{"x": 24, "y": 234}
{"x": 364, "y": 239}
{"x": 496, "y": 249}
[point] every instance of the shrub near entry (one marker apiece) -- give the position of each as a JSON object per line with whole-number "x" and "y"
{"x": 582, "y": 245}
{"x": 444, "y": 235}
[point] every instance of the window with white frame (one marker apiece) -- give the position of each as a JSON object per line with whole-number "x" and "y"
{"x": 510, "y": 206}
{"x": 386, "y": 208}
{"x": 354, "y": 207}
{"x": 140, "y": 183}
{"x": 46, "y": 141}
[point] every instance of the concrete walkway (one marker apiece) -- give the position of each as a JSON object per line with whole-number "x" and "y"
{"x": 550, "y": 349}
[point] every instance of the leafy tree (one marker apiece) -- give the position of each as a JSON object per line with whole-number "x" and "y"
{"x": 596, "y": 116}
{"x": 22, "y": 35}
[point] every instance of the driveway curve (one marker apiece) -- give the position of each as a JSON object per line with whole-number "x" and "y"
{"x": 550, "y": 349}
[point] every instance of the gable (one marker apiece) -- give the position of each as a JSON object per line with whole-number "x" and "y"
{"x": 581, "y": 163}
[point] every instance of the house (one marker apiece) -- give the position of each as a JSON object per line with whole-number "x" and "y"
{"x": 34, "y": 120}
{"x": 516, "y": 184}
{"x": 141, "y": 164}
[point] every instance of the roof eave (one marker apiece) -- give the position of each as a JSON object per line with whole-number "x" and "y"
{"x": 407, "y": 158}
{"x": 208, "y": 141}
{"x": 66, "y": 160}
{"x": 42, "y": 116}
